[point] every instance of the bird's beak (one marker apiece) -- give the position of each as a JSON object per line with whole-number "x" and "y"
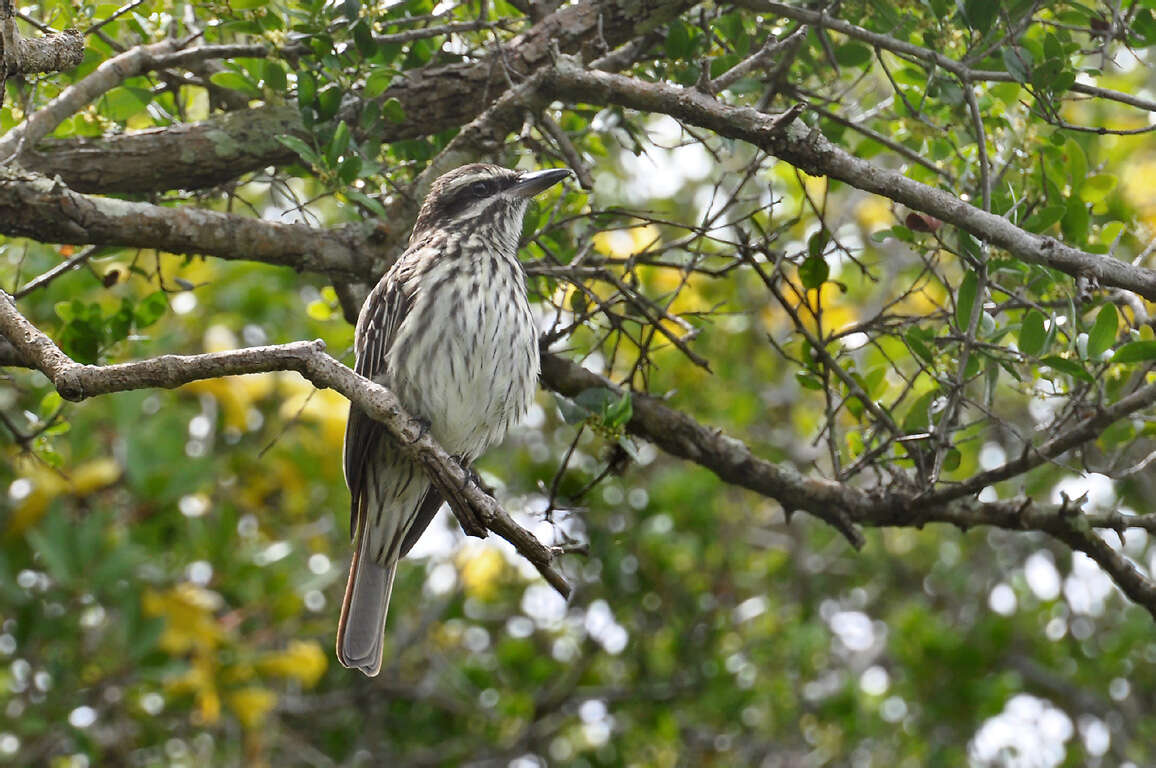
{"x": 533, "y": 182}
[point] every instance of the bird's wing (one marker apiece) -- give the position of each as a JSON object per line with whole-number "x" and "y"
{"x": 386, "y": 307}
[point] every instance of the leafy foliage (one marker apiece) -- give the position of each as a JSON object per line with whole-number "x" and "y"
{"x": 171, "y": 563}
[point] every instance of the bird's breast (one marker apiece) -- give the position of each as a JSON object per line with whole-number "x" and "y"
{"x": 466, "y": 358}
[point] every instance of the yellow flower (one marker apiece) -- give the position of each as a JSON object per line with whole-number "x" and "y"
{"x": 481, "y": 567}
{"x": 325, "y": 407}
{"x": 46, "y": 484}
{"x": 302, "y": 660}
{"x": 201, "y": 681}
{"x": 188, "y": 613}
{"x": 252, "y": 705}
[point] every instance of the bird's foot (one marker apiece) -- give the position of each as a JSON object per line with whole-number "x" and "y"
{"x": 472, "y": 475}
{"x": 423, "y": 426}
{"x": 468, "y": 517}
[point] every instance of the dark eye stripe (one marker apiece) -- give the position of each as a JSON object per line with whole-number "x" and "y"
{"x": 480, "y": 189}
{"x": 469, "y": 193}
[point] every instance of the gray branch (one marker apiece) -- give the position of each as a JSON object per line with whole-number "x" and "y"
{"x": 812, "y": 153}
{"x": 34, "y": 206}
{"x": 475, "y": 509}
{"x": 56, "y": 52}
{"x": 845, "y": 506}
{"x": 434, "y": 98}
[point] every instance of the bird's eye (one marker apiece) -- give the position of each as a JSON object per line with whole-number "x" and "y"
{"x": 481, "y": 189}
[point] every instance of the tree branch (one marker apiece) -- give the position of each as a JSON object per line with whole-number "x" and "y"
{"x": 189, "y": 156}
{"x": 56, "y": 52}
{"x": 469, "y": 502}
{"x": 844, "y": 506}
{"x": 107, "y": 76}
{"x": 33, "y": 206}
{"x": 810, "y": 151}
{"x": 962, "y": 72}
{"x": 433, "y": 98}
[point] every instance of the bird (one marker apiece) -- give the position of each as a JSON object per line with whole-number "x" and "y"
{"x": 448, "y": 329}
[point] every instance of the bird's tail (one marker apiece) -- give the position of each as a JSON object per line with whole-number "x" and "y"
{"x": 361, "y": 632}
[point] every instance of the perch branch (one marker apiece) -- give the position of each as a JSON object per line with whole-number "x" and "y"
{"x": 469, "y": 502}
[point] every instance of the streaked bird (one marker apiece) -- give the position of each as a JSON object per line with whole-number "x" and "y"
{"x": 448, "y": 329}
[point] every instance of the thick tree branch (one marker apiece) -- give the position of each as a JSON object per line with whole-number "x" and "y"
{"x": 107, "y": 76}
{"x": 56, "y": 52}
{"x": 36, "y": 207}
{"x": 845, "y": 506}
{"x": 188, "y": 156}
{"x": 811, "y": 152}
{"x": 433, "y": 98}
{"x": 470, "y": 503}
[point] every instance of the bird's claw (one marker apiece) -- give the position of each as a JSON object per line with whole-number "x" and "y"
{"x": 423, "y": 427}
{"x": 472, "y": 476}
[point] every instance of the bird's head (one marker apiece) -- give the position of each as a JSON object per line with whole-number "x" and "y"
{"x": 483, "y": 196}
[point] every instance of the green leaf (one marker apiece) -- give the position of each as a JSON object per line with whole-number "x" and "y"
{"x": 1135, "y": 352}
{"x": 363, "y": 37}
{"x": 328, "y": 102}
{"x": 1076, "y": 221}
{"x": 679, "y": 42}
{"x": 1045, "y": 218}
{"x": 245, "y": 5}
{"x": 373, "y": 205}
{"x": 916, "y": 340}
{"x": 951, "y": 459}
{"x": 122, "y": 103}
{"x": 119, "y": 323}
{"x": 817, "y": 242}
{"x": 1103, "y": 333}
{"x": 306, "y": 89}
{"x": 273, "y": 73}
{"x": 1143, "y": 28}
{"x": 80, "y": 340}
{"x": 619, "y": 411}
{"x": 981, "y": 14}
{"x": 350, "y": 169}
{"x": 1032, "y": 334}
{"x": 234, "y": 81}
{"x": 964, "y": 300}
{"x": 301, "y": 148}
{"x": 50, "y": 403}
{"x": 150, "y": 309}
{"x": 990, "y": 380}
{"x": 393, "y": 111}
{"x": 1097, "y": 187}
{"x": 808, "y": 380}
{"x": 1063, "y": 365}
{"x": 918, "y": 418}
{"x": 813, "y": 272}
{"x": 572, "y": 413}
{"x": 1077, "y": 163}
{"x": 1018, "y": 62}
{"x": 338, "y": 144}
{"x": 595, "y": 399}
{"x": 853, "y": 55}
{"x": 376, "y": 83}
{"x": 1110, "y": 231}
